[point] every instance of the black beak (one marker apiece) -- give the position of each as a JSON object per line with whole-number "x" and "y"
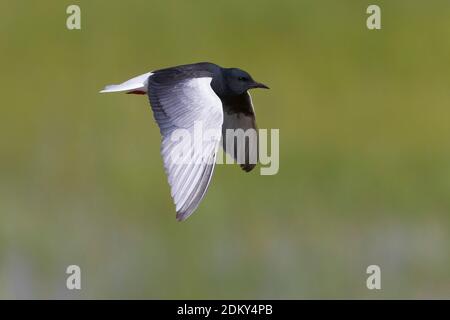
{"x": 258, "y": 85}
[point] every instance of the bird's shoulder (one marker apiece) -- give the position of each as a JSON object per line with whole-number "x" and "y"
{"x": 184, "y": 72}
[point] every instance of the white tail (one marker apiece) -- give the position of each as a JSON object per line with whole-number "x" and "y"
{"x": 137, "y": 84}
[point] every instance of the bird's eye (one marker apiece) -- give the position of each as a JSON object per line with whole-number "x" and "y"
{"x": 242, "y": 79}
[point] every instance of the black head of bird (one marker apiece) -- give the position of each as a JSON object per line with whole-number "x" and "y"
{"x": 239, "y": 81}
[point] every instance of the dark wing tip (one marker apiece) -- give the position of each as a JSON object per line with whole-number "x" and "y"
{"x": 184, "y": 214}
{"x": 181, "y": 216}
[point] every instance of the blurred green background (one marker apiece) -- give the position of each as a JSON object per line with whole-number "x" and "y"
{"x": 364, "y": 119}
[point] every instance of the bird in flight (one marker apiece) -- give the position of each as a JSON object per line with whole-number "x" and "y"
{"x": 182, "y": 96}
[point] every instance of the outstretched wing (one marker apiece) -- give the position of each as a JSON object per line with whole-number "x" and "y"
{"x": 242, "y": 141}
{"x": 183, "y": 104}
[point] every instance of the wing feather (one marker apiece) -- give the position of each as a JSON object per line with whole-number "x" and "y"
{"x": 180, "y": 101}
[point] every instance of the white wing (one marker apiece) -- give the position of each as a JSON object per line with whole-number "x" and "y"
{"x": 181, "y": 105}
{"x": 138, "y": 83}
